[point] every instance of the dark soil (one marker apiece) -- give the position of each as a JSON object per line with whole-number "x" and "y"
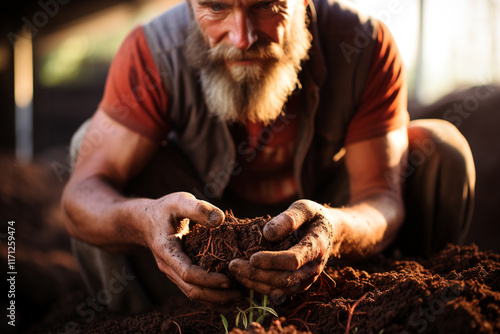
{"x": 213, "y": 248}
{"x": 455, "y": 291}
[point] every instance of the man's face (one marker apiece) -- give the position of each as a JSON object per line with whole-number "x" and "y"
{"x": 249, "y": 52}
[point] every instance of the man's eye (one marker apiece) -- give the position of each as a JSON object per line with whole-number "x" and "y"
{"x": 216, "y": 7}
{"x": 267, "y": 5}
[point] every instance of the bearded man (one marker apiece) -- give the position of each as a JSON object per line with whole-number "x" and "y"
{"x": 290, "y": 108}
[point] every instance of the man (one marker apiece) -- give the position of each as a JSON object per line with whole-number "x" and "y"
{"x": 284, "y": 107}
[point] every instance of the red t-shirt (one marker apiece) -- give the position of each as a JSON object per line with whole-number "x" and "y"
{"x": 134, "y": 96}
{"x": 265, "y": 154}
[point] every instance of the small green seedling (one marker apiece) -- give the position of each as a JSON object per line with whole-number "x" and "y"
{"x": 247, "y": 315}
{"x": 225, "y": 323}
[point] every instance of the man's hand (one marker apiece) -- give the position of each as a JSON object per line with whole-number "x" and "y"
{"x": 99, "y": 214}
{"x": 288, "y": 272}
{"x": 365, "y": 226}
{"x": 169, "y": 218}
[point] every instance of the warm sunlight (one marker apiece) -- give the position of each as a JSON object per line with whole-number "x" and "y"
{"x": 460, "y": 42}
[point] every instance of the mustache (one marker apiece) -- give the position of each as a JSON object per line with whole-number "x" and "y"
{"x": 226, "y": 52}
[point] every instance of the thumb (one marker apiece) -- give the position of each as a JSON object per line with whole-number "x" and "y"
{"x": 215, "y": 215}
{"x": 288, "y": 221}
{"x": 198, "y": 211}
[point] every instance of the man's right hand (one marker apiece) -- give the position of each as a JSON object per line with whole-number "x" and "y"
{"x": 168, "y": 221}
{"x": 99, "y": 214}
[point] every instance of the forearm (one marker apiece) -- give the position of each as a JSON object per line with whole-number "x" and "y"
{"x": 98, "y": 214}
{"x": 369, "y": 225}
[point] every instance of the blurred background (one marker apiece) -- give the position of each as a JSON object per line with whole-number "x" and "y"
{"x": 54, "y": 58}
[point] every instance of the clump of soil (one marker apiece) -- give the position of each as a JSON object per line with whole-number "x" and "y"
{"x": 213, "y": 248}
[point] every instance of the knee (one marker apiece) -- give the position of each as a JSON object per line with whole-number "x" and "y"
{"x": 439, "y": 141}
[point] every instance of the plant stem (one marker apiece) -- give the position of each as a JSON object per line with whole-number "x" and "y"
{"x": 251, "y": 304}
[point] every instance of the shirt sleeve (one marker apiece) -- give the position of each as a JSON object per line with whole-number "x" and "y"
{"x": 383, "y": 106}
{"x": 133, "y": 94}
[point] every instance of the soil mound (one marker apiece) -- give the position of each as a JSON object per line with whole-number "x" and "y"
{"x": 455, "y": 291}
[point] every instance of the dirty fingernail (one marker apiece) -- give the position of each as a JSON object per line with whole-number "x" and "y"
{"x": 270, "y": 231}
{"x": 233, "y": 265}
{"x": 215, "y": 218}
{"x": 278, "y": 297}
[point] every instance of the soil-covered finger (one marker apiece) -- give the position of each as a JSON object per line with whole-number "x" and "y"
{"x": 315, "y": 245}
{"x": 281, "y": 294}
{"x": 257, "y": 286}
{"x": 275, "y": 278}
{"x": 198, "y": 211}
{"x": 288, "y": 221}
{"x": 292, "y": 259}
{"x": 208, "y": 295}
{"x": 300, "y": 281}
{"x": 218, "y": 294}
{"x": 286, "y": 280}
{"x": 310, "y": 248}
{"x": 188, "y": 272}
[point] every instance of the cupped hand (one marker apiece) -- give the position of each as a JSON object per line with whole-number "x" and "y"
{"x": 284, "y": 273}
{"x": 169, "y": 219}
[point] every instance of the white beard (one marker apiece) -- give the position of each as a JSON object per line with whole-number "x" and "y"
{"x": 252, "y": 93}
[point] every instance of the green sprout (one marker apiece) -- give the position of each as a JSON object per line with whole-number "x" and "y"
{"x": 247, "y": 315}
{"x": 225, "y": 323}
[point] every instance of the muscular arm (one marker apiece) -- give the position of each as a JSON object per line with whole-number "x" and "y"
{"x": 99, "y": 214}
{"x": 109, "y": 155}
{"x": 375, "y": 211}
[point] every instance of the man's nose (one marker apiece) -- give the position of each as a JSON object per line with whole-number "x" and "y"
{"x": 242, "y": 34}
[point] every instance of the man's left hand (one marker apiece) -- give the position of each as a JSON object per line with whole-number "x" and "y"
{"x": 284, "y": 273}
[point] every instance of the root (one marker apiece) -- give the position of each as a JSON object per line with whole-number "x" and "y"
{"x": 303, "y": 323}
{"x": 231, "y": 248}
{"x": 208, "y": 245}
{"x": 351, "y": 312}
{"x": 301, "y": 306}
{"x": 178, "y": 327}
{"x": 218, "y": 258}
{"x": 189, "y": 314}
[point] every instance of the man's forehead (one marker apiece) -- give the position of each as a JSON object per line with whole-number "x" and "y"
{"x": 239, "y": 2}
